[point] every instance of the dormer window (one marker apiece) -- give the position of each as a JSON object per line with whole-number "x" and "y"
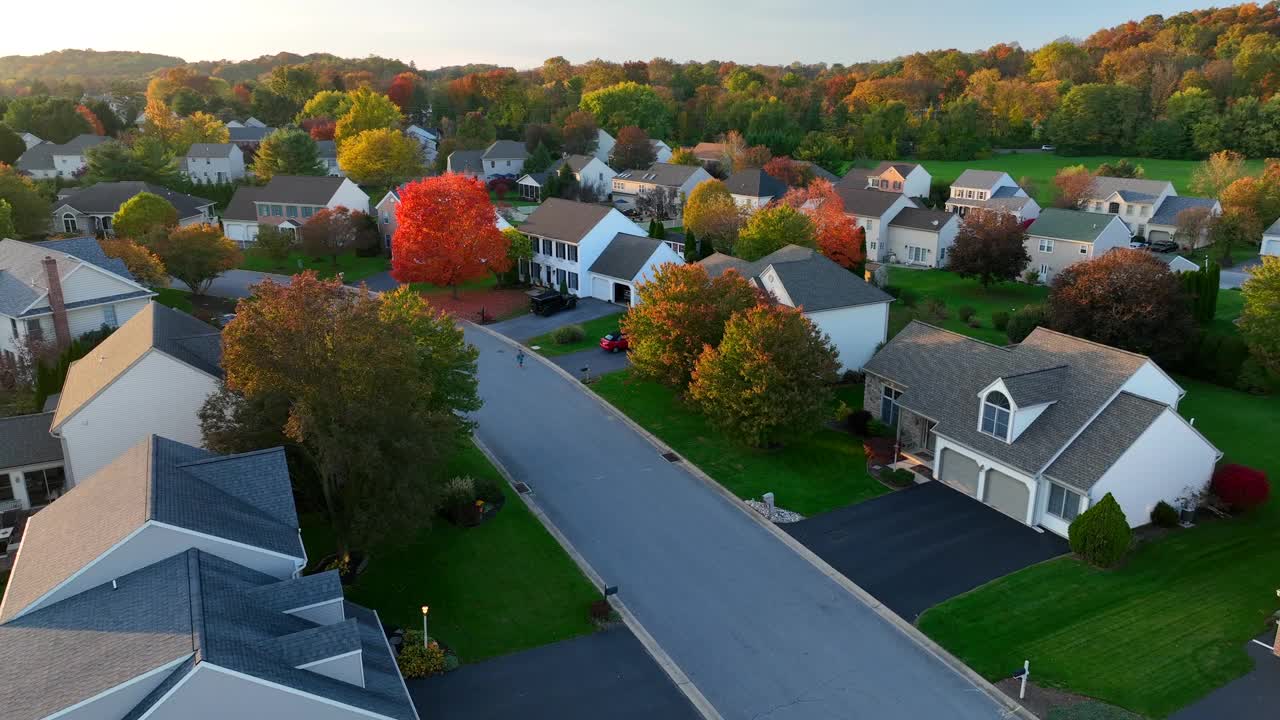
{"x": 995, "y": 415}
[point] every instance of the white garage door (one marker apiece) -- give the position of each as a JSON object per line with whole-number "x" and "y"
{"x": 960, "y": 472}
{"x": 235, "y": 231}
{"x": 1157, "y": 235}
{"x": 1007, "y": 495}
{"x": 601, "y": 288}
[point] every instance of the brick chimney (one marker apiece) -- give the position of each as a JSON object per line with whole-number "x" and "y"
{"x": 61, "y": 330}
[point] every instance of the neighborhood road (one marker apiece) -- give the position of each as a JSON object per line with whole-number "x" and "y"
{"x": 238, "y": 283}
{"x": 759, "y": 630}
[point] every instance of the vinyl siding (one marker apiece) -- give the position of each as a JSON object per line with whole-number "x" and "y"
{"x": 855, "y": 331}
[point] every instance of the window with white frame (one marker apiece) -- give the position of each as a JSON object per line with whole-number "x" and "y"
{"x": 69, "y": 223}
{"x": 1063, "y": 503}
{"x": 889, "y": 405}
{"x": 546, "y": 246}
{"x": 1084, "y": 249}
{"x": 677, "y": 246}
{"x": 995, "y": 415}
{"x": 1044, "y": 270}
{"x": 571, "y": 253}
{"x": 1046, "y": 245}
{"x": 109, "y": 316}
{"x": 916, "y": 254}
{"x": 872, "y": 245}
{"x": 560, "y": 252}
{"x": 35, "y": 330}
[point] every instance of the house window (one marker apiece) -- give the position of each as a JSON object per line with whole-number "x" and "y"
{"x": 35, "y": 330}
{"x": 1142, "y": 230}
{"x": 561, "y": 277}
{"x": 6, "y": 489}
{"x": 872, "y": 244}
{"x": 43, "y": 486}
{"x": 572, "y": 251}
{"x": 385, "y": 219}
{"x": 942, "y": 256}
{"x": 916, "y": 254}
{"x": 291, "y": 211}
{"x": 492, "y": 164}
{"x": 1063, "y": 503}
{"x": 982, "y": 194}
{"x": 546, "y": 246}
{"x": 308, "y": 212}
{"x": 573, "y": 281}
{"x": 1084, "y": 249}
{"x": 263, "y": 211}
{"x": 277, "y": 211}
{"x": 1130, "y": 209}
{"x": 1114, "y": 208}
{"x": 1044, "y": 270}
{"x": 560, "y": 252}
{"x": 678, "y": 247}
{"x": 1046, "y": 245}
{"x": 109, "y": 316}
{"x": 69, "y": 223}
{"x": 995, "y": 415}
{"x": 13, "y": 324}
{"x": 889, "y": 405}
{"x": 897, "y": 185}
{"x": 968, "y": 194}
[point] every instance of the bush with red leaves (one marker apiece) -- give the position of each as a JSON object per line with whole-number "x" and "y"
{"x": 879, "y": 450}
{"x": 1241, "y": 487}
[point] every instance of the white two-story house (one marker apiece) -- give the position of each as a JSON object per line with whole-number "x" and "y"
{"x": 327, "y": 151}
{"x": 1132, "y": 200}
{"x": 588, "y": 170}
{"x": 505, "y": 159}
{"x": 287, "y": 201}
{"x": 990, "y": 190}
{"x": 873, "y": 211}
{"x": 429, "y": 140}
{"x": 49, "y": 160}
{"x": 677, "y": 179}
{"x": 214, "y": 162}
{"x": 1061, "y": 238}
{"x": 754, "y": 188}
{"x": 920, "y": 237}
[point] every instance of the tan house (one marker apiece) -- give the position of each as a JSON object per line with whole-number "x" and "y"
{"x": 910, "y": 179}
{"x": 1060, "y": 238}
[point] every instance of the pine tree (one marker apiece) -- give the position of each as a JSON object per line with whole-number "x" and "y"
{"x": 691, "y": 254}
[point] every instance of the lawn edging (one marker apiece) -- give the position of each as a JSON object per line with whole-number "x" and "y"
{"x": 913, "y": 633}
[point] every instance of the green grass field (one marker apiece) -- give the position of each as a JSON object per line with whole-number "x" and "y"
{"x": 822, "y": 471}
{"x": 594, "y": 330}
{"x": 174, "y": 298}
{"x": 958, "y": 292}
{"x": 352, "y": 267}
{"x": 498, "y": 588}
{"x": 1166, "y": 627}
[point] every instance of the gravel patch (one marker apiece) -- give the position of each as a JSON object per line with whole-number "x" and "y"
{"x": 780, "y": 515}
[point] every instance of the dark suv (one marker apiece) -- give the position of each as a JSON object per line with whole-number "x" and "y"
{"x": 550, "y": 302}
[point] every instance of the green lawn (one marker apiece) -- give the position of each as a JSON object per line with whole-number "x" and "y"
{"x": 1168, "y": 626}
{"x": 174, "y": 298}
{"x": 958, "y": 292}
{"x": 822, "y": 471}
{"x": 1230, "y": 305}
{"x": 352, "y": 267}
{"x": 494, "y": 589}
{"x": 595, "y": 329}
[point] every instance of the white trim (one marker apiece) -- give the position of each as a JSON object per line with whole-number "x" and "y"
{"x": 390, "y": 652}
{"x": 137, "y": 679}
{"x": 29, "y": 606}
{"x": 233, "y": 543}
{"x": 72, "y": 271}
{"x": 313, "y": 663}
{"x": 295, "y": 691}
{"x": 160, "y": 701}
{"x": 300, "y": 608}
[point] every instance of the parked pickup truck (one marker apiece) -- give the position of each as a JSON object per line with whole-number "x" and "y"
{"x": 550, "y": 302}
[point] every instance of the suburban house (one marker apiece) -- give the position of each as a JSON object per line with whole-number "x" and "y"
{"x": 872, "y": 211}
{"x": 252, "y": 122}
{"x": 754, "y": 188}
{"x": 680, "y": 179}
{"x": 156, "y": 370}
{"x": 385, "y": 211}
{"x": 919, "y": 237}
{"x": 214, "y": 162}
{"x": 249, "y": 136}
{"x": 58, "y": 290}
{"x": 626, "y": 261}
{"x": 327, "y": 150}
{"x": 31, "y": 472}
{"x": 1040, "y": 430}
{"x": 467, "y": 162}
{"x": 662, "y": 151}
{"x": 1177, "y": 263}
{"x": 819, "y": 172}
{"x": 990, "y": 190}
{"x": 504, "y": 158}
{"x": 1271, "y": 240}
{"x": 287, "y": 201}
{"x": 852, "y": 312}
{"x": 587, "y": 169}
{"x": 49, "y": 160}
{"x": 604, "y": 145}
{"x": 30, "y": 140}
{"x": 428, "y": 139}
{"x": 1061, "y": 238}
{"x": 910, "y": 179}
{"x": 1163, "y": 225}
{"x": 710, "y": 154}
{"x": 1133, "y": 200}
{"x": 91, "y": 209}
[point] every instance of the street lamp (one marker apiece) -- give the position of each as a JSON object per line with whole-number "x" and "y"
{"x": 425, "y": 638}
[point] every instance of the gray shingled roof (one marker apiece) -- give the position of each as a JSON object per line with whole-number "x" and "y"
{"x": 466, "y": 161}
{"x": 210, "y": 150}
{"x": 25, "y": 440}
{"x": 978, "y": 179}
{"x": 247, "y": 498}
{"x": 661, "y": 174}
{"x": 812, "y": 281}
{"x": 819, "y": 171}
{"x": 867, "y": 203}
{"x": 22, "y": 273}
{"x": 40, "y": 157}
{"x": 922, "y": 219}
{"x": 944, "y": 372}
{"x": 88, "y": 250}
{"x": 754, "y": 182}
{"x": 241, "y": 206}
{"x": 107, "y": 197}
{"x": 1132, "y": 189}
{"x": 249, "y": 134}
{"x": 1036, "y": 387}
{"x": 566, "y": 220}
{"x": 1167, "y": 213}
{"x": 155, "y": 326}
{"x": 300, "y": 189}
{"x": 506, "y": 150}
{"x": 1101, "y": 444}
{"x": 1074, "y": 225}
{"x": 327, "y": 148}
{"x": 625, "y": 256}
{"x": 903, "y": 168}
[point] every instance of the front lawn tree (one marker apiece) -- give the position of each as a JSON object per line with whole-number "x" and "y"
{"x": 329, "y": 233}
{"x": 11, "y": 145}
{"x": 1260, "y": 320}
{"x": 143, "y": 213}
{"x": 579, "y": 133}
{"x": 989, "y": 247}
{"x": 633, "y": 150}
{"x": 195, "y": 254}
{"x": 1101, "y": 534}
{"x": 1230, "y": 230}
{"x": 274, "y": 243}
{"x": 1073, "y": 185}
{"x": 287, "y": 152}
{"x": 145, "y": 266}
{"x": 446, "y": 233}
{"x": 381, "y": 157}
{"x": 519, "y": 248}
{"x": 681, "y": 310}
{"x": 773, "y": 228}
{"x": 712, "y": 215}
{"x": 30, "y": 209}
{"x": 770, "y": 377}
{"x": 838, "y": 238}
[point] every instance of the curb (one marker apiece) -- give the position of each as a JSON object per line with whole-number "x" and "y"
{"x": 1011, "y": 707}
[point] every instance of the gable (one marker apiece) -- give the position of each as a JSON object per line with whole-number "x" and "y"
{"x": 91, "y": 283}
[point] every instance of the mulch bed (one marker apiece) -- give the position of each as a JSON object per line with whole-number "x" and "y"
{"x": 497, "y": 304}
{"x": 1042, "y": 700}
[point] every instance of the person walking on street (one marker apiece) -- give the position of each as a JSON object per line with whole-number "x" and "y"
{"x": 520, "y": 358}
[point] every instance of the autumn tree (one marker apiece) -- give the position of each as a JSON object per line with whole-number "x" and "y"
{"x": 319, "y": 128}
{"x": 1192, "y": 227}
{"x": 684, "y": 156}
{"x": 370, "y": 110}
{"x": 329, "y": 233}
{"x": 794, "y": 174}
{"x": 1127, "y": 299}
{"x": 579, "y": 133}
{"x": 681, "y": 310}
{"x": 773, "y": 228}
{"x": 1260, "y": 321}
{"x": 838, "y": 238}
{"x": 142, "y": 213}
{"x": 1218, "y": 172}
{"x": 145, "y": 266}
{"x": 632, "y": 150}
{"x": 197, "y": 128}
{"x": 287, "y": 152}
{"x": 401, "y": 90}
{"x": 1073, "y": 184}
{"x": 295, "y": 83}
{"x": 769, "y": 379}
{"x": 1230, "y": 230}
{"x": 325, "y": 105}
{"x": 51, "y": 119}
{"x": 381, "y": 158}
{"x": 989, "y": 247}
{"x": 1123, "y": 168}
{"x": 711, "y": 213}
{"x": 95, "y": 125}
{"x": 274, "y": 243}
{"x": 519, "y": 249}
{"x": 628, "y": 103}
{"x": 11, "y": 146}
{"x": 29, "y": 207}
{"x": 194, "y": 254}
{"x": 446, "y": 234}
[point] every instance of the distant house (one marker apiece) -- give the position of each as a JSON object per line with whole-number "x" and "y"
{"x": 754, "y": 188}
{"x": 254, "y": 122}
{"x": 249, "y": 136}
{"x": 287, "y": 201}
{"x": 990, "y": 190}
{"x": 91, "y": 209}
{"x": 587, "y": 169}
{"x": 504, "y": 158}
{"x": 1041, "y": 430}
{"x": 385, "y": 210}
{"x": 681, "y": 179}
{"x": 328, "y": 152}
{"x": 1060, "y": 238}
{"x": 661, "y": 150}
{"x": 31, "y": 473}
{"x": 910, "y": 179}
{"x": 1163, "y": 225}
{"x": 872, "y": 211}
{"x": 49, "y": 160}
{"x": 920, "y": 237}
{"x": 1132, "y": 200}
{"x": 1271, "y": 240}
{"x": 467, "y": 162}
{"x": 214, "y": 162}
{"x": 1177, "y": 263}
{"x": 819, "y": 172}
{"x": 156, "y": 371}
{"x": 710, "y": 155}
{"x": 428, "y": 139}
{"x": 853, "y": 313}
{"x": 58, "y": 290}
{"x": 30, "y": 140}
{"x": 604, "y": 145}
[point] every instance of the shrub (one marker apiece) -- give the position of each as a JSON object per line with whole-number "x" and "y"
{"x": 489, "y": 490}
{"x": 1000, "y": 320}
{"x": 858, "y": 421}
{"x": 1255, "y": 378}
{"x": 1164, "y": 515}
{"x": 879, "y": 450}
{"x": 965, "y": 312}
{"x": 1240, "y": 487}
{"x": 851, "y": 377}
{"x": 908, "y": 297}
{"x": 935, "y": 310}
{"x": 1024, "y": 321}
{"x": 1031, "y": 276}
{"x": 568, "y": 334}
{"x": 1101, "y": 534}
{"x": 843, "y": 411}
{"x": 899, "y": 478}
{"x": 417, "y": 661}
{"x": 600, "y": 610}
{"x": 877, "y": 429}
{"x": 973, "y": 322}
{"x": 458, "y": 499}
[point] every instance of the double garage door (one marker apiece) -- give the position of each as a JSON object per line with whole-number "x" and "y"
{"x": 1002, "y": 492}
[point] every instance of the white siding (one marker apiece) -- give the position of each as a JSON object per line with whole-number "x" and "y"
{"x": 83, "y": 320}
{"x": 89, "y": 283}
{"x": 243, "y": 232}
{"x": 158, "y": 395}
{"x": 898, "y": 239}
{"x": 349, "y": 195}
{"x": 1270, "y": 245}
{"x": 604, "y": 145}
{"x": 855, "y": 331}
{"x": 1161, "y": 464}
{"x": 216, "y": 694}
{"x": 1152, "y": 383}
{"x": 917, "y": 183}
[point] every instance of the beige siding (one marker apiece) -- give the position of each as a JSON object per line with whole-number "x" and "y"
{"x": 87, "y": 283}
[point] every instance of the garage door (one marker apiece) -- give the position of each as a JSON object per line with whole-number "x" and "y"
{"x": 960, "y": 472}
{"x": 1007, "y": 495}
{"x": 1157, "y": 235}
{"x": 601, "y": 288}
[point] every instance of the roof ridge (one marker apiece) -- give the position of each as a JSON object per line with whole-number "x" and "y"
{"x": 233, "y": 456}
{"x": 196, "y": 589}
{"x": 1005, "y": 348}
{"x": 1040, "y": 328}
{"x": 153, "y": 447}
{"x": 1033, "y": 372}
{"x": 1136, "y": 396}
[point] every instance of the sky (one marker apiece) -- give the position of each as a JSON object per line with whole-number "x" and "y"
{"x": 522, "y": 34}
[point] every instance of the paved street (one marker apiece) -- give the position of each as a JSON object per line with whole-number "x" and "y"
{"x": 237, "y": 283}
{"x": 760, "y": 631}
{"x": 529, "y": 325}
{"x": 381, "y": 282}
{"x": 1235, "y": 276}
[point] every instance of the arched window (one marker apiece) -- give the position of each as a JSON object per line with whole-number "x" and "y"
{"x": 995, "y": 415}
{"x": 69, "y": 223}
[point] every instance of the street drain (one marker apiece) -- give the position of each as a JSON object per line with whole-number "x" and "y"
{"x": 670, "y": 457}
{"x": 523, "y": 489}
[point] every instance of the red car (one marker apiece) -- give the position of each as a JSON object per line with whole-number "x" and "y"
{"x": 614, "y": 342}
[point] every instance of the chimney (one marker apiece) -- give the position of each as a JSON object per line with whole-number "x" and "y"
{"x": 61, "y": 330}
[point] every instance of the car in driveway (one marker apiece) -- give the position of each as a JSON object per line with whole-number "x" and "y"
{"x": 550, "y": 302}
{"x": 614, "y": 342}
{"x": 1163, "y": 246}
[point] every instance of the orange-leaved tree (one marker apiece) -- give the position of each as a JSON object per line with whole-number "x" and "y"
{"x": 447, "y": 233}
{"x": 839, "y": 239}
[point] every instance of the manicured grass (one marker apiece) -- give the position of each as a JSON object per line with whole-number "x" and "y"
{"x": 594, "y": 330}
{"x": 1230, "y": 305}
{"x": 822, "y": 471}
{"x": 494, "y": 589}
{"x": 958, "y": 292}
{"x": 352, "y": 267}
{"x": 1168, "y": 626}
{"x": 174, "y": 298}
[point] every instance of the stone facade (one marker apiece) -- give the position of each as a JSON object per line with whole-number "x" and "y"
{"x": 871, "y": 391}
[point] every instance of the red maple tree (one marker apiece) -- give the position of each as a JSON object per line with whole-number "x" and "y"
{"x": 838, "y": 238}
{"x": 94, "y": 123}
{"x": 319, "y": 128}
{"x": 446, "y": 233}
{"x": 401, "y": 90}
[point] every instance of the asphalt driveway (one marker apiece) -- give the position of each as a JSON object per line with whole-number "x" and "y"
{"x": 596, "y": 361}
{"x": 1252, "y": 697}
{"x": 605, "y": 675}
{"x": 529, "y": 325}
{"x": 914, "y": 548}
